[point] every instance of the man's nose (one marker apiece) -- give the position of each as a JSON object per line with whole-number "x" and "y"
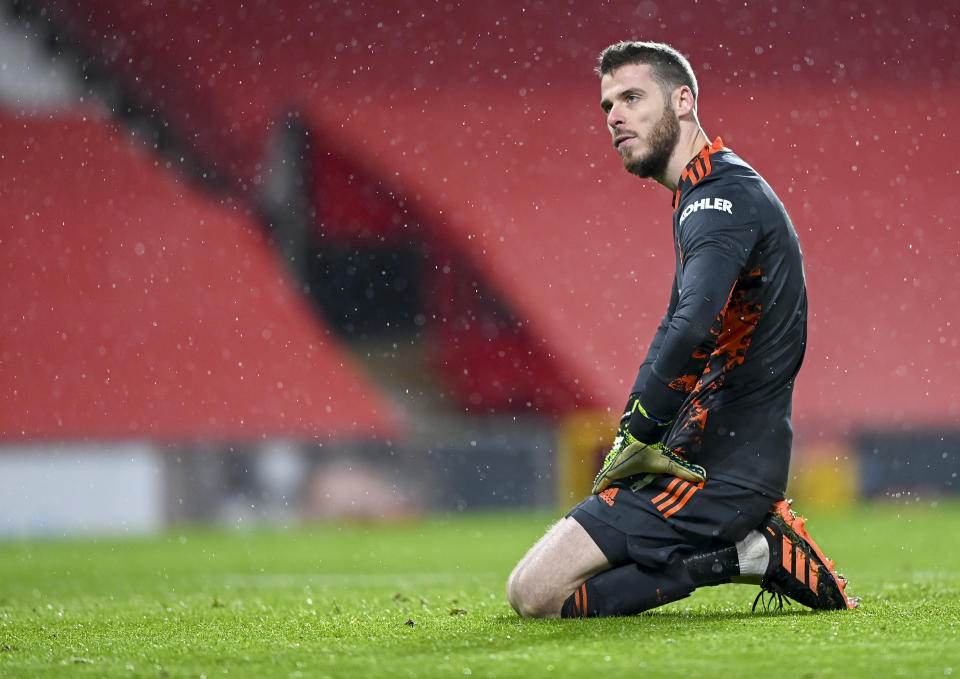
{"x": 614, "y": 117}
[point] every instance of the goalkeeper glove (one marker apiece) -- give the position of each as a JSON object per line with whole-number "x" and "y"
{"x": 629, "y": 456}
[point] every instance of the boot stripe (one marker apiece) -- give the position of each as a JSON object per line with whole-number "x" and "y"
{"x": 801, "y": 571}
{"x": 787, "y": 551}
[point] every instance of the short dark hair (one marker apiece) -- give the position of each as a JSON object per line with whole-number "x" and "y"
{"x": 670, "y": 68}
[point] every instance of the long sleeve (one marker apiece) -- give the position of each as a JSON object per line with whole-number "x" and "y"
{"x": 713, "y": 248}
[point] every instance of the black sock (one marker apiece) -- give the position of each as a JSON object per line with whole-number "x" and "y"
{"x": 627, "y": 590}
{"x": 714, "y": 567}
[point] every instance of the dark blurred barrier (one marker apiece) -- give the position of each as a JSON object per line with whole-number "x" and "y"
{"x": 497, "y": 465}
{"x": 895, "y": 464}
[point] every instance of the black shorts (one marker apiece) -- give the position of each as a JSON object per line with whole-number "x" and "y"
{"x": 654, "y": 519}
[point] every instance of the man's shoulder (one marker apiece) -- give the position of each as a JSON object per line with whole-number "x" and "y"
{"x": 731, "y": 195}
{"x": 727, "y": 168}
{"x": 728, "y": 177}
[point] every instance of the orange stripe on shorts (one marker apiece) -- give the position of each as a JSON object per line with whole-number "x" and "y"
{"x": 677, "y": 507}
{"x": 659, "y": 498}
{"x": 673, "y": 498}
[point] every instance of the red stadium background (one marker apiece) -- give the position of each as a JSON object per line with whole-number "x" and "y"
{"x": 141, "y": 297}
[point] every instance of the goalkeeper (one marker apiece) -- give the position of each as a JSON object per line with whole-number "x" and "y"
{"x": 691, "y": 493}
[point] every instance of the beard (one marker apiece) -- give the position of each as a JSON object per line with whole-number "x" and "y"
{"x": 663, "y": 139}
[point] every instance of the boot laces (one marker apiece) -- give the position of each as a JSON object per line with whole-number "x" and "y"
{"x": 769, "y": 599}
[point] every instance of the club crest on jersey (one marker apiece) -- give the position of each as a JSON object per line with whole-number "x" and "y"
{"x": 721, "y": 204}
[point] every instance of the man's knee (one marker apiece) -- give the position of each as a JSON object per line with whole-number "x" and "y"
{"x": 556, "y": 565}
{"x": 530, "y": 598}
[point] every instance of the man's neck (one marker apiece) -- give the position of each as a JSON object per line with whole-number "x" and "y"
{"x": 688, "y": 146}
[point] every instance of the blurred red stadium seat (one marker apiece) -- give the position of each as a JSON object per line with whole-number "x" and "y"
{"x": 134, "y": 306}
{"x": 482, "y": 117}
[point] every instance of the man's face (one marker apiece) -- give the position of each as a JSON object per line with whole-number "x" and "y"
{"x": 643, "y": 125}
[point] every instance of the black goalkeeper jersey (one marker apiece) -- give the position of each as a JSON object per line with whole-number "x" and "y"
{"x": 722, "y": 363}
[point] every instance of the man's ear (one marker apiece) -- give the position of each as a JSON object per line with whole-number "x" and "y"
{"x": 683, "y": 101}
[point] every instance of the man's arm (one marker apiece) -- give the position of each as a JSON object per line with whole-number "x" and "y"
{"x": 628, "y": 456}
{"x": 715, "y": 247}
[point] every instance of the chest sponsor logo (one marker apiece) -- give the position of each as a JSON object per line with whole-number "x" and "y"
{"x": 721, "y": 204}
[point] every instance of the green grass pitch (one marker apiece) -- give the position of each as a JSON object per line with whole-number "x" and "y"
{"x": 426, "y": 599}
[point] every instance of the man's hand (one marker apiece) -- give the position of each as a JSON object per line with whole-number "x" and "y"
{"x": 628, "y": 457}
{"x": 643, "y": 426}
